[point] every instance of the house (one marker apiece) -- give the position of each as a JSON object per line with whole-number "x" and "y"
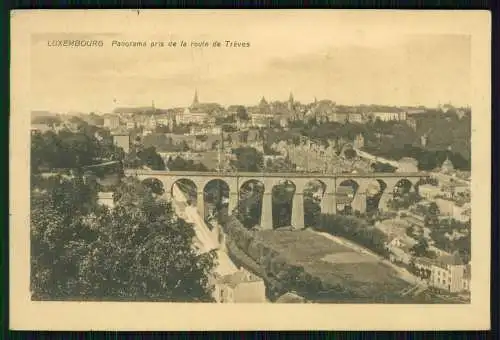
{"x": 399, "y": 249}
{"x": 466, "y": 278}
{"x": 241, "y": 286}
{"x": 121, "y": 139}
{"x": 191, "y": 115}
{"x": 355, "y": 117}
{"x": 447, "y": 166}
{"x": 261, "y": 120}
{"x": 389, "y": 115}
{"x": 105, "y": 198}
{"x": 111, "y": 121}
{"x": 291, "y": 297}
{"x": 448, "y": 273}
{"x": 359, "y": 141}
{"x": 449, "y": 208}
{"x": 429, "y": 191}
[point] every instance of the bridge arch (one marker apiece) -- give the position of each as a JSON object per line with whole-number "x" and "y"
{"x": 250, "y": 202}
{"x": 402, "y": 187}
{"x": 282, "y": 202}
{"x": 346, "y": 192}
{"x": 184, "y": 190}
{"x": 314, "y": 191}
{"x": 375, "y": 189}
{"x": 216, "y": 193}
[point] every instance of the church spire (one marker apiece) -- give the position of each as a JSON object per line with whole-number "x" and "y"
{"x": 195, "y": 99}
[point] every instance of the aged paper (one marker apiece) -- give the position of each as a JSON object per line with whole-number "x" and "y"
{"x": 258, "y": 102}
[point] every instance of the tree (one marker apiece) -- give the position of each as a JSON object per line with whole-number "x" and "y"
{"x": 431, "y": 216}
{"x": 180, "y": 164}
{"x": 151, "y": 158}
{"x": 247, "y": 159}
{"x": 421, "y": 249}
{"x": 241, "y": 113}
{"x": 138, "y": 250}
{"x": 67, "y": 149}
{"x": 155, "y": 185}
{"x": 350, "y": 153}
{"x": 162, "y": 129}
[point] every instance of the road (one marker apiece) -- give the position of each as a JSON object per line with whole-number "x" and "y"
{"x": 206, "y": 239}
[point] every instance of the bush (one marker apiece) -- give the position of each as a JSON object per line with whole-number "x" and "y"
{"x": 356, "y": 230}
{"x": 272, "y": 265}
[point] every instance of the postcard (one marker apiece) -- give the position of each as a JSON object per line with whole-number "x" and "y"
{"x": 244, "y": 170}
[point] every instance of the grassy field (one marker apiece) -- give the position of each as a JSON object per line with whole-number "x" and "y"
{"x": 334, "y": 263}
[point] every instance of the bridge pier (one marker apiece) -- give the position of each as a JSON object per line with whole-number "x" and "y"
{"x": 233, "y": 202}
{"x": 384, "y": 199}
{"x": 200, "y": 203}
{"x": 298, "y": 211}
{"x": 266, "y": 216}
{"x": 359, "y": 201}
{"x": 329, "y": 203}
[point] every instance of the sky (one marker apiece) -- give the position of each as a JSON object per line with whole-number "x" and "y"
{"x": 348, "y": 61}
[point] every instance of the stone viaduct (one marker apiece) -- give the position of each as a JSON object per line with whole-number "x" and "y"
{"x": 235, "y": 181}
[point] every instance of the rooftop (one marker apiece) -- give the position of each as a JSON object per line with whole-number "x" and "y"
{"x": 232, "y": 280}
{"x": 290, "y": 297}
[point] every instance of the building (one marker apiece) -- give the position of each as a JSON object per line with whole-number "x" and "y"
{"x": 205, "y": 130}
{"x": 122, "y": 139}
{"x": 355, "y": 117}
{"x": 111, "y": 122}
{"x": 291, "y": 297}
{"x": 452, "y": 189}
{"x": 386, "y": 116}
{"x": 423, "y": 140}
{"x": 198, "y": 113}
{"x": 450, "y": 209}
{"x": 105, "y": 198}
{"x": 448, "y": 272}
{"x": 191, "y": 116}
{"x": 399, "y": 250}
{"x": 429, "y": 191}
{"x": 447, "y": 166}
{"x": 283, "y": 122}
{"x": 261, "y": 120}
{"x": 359, "y": 141}
{"x": 466, "y": 278}
{"x": 166, "y": 120}
{"x": 151, "y": 123}
{"x": 339, "y": 117}
{"x": 241, "y": 286}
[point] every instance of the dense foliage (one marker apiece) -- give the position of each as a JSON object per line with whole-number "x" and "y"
{"x": 356, "y": 230}
{"x": 180, "y": 164}
{"x": 73, "y": 149}
{"x": 247, "y": 159}
{"x": 150, "y": 158}
{"x": 137, "y": 250}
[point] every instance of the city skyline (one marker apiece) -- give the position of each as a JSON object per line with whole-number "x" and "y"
{"x": 352, "y": 65}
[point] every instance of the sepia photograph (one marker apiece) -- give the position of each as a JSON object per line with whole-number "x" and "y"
{"x": 240, "y": 158}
